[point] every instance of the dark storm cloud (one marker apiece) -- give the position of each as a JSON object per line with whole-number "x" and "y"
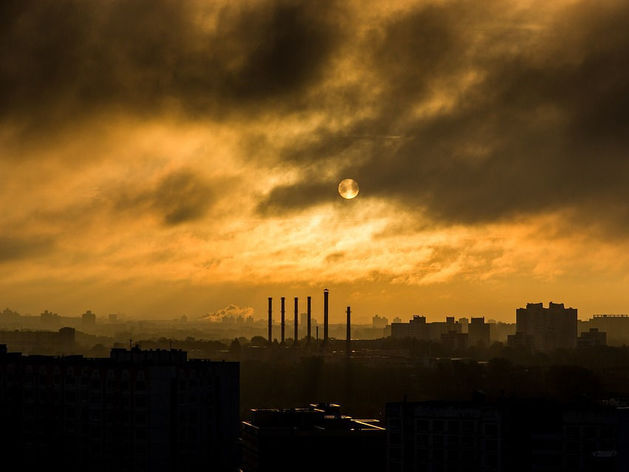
{"x": 60, "y": 59}
{"x": 544, "y": 126}
{"x": 296, "y": 196}
{"x": 540, "y": 118}
{"x": 20, "y": 248}
{"x": 179, "y": 197}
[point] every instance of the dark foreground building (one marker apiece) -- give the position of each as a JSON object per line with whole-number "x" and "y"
{"x": 545, "y": 329}
{"x": 317, "y": 438}
{"x": 508, "y": 435}
{"x": 138, "y": 410}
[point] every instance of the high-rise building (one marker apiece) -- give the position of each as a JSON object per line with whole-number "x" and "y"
{"x": 49, "y": 319}
{"x": 592, "y": 338}
{"x": 550, "y": 328}
{"x": 478, "y": 332}
{"x": 616, "y": 327}
{"x": 418, "y": 328}
{"x": 88, "y": 318}
{"x": 455, "y": 341}
{"x": 379, "y": 322}
{"x": 135, "y": 411}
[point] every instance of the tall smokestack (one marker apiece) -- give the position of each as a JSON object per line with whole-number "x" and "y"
{"x": 296, "y": 328}
{"x": 270, "y": 320}
{"x": 309, "y": 314}
{"x": 325, "y": 316}
{"x": 348, "y": 337}
{"x": 283, "y": 313}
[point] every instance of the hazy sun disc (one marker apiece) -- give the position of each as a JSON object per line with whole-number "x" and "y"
{"x": 348, "y": 188}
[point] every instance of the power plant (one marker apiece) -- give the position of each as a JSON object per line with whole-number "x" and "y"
{"x": 309, "y": 337}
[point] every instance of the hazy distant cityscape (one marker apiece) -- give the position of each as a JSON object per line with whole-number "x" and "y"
{"x": 430, "y": 395}
{"x": 535, "y": 327}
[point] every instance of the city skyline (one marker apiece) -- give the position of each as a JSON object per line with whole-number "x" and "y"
{"x": 165, "y": 158}
{"x": 278, "y": 235}
{"x": 337, "y": 312}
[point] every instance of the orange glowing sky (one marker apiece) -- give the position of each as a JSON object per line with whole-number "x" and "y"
{"x": 161, "y": 158}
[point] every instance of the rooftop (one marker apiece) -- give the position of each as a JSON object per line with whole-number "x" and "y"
{"x": 314, "y": 417}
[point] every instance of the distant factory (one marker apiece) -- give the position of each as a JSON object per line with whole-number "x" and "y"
{"x": 308, "y": 339}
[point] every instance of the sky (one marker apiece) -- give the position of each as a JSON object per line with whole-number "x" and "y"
{"x": 161, "y": 158}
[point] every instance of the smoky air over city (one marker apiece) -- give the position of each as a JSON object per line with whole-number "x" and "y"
{"x": 319, "y": 235}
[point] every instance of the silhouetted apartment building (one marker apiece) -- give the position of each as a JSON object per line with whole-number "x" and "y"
{"x": 500, "y": 331}
{"x": 592, "y": 338}
{"x": 88, "y": 318}
{"x": 478, "y": 332}
{"x": 520, "y": 341}
{"x": 316, "y": 438}
{"x": 379, "y": 322}
{"x": 616, "y": 327}
{"x": 401, "y": 330}
{"x": 509, "y": 435}
{"x": 50, "y": 319}
{"x": 135, "y": 411}
{"x": 418, "y": 328}
{"x": 9, "y": 316}
{"x": 454, "y": 341}
{"x": 550, "y": 328}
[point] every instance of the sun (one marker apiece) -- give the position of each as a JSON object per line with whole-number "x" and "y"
{"x": 348, "y": 189}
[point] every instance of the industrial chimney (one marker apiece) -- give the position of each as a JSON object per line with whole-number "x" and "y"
{"x": 270, "y": 320}
{"x": 296, "y": 328}
{"x": 348, "y": 337}
{"x": 325, "y": 316}
{"x": 283, "y": 314}
{"x": 308, "y": 334}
